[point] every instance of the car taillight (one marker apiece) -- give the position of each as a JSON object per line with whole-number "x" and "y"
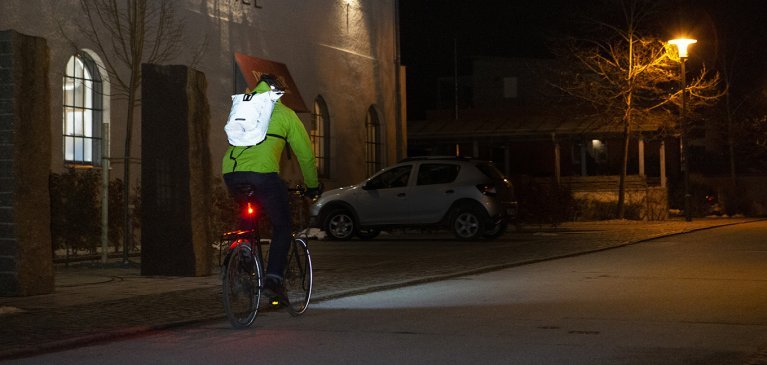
{"x": 487, "y": 189}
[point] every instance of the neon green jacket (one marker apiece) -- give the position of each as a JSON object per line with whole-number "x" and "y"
{"x": 265, "y": 156}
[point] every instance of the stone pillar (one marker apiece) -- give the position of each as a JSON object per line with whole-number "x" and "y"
{"x": 26, "y": 259}
{"x": 176, "y": 181}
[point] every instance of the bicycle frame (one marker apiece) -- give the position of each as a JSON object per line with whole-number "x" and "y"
{"x": 297, "y": 283}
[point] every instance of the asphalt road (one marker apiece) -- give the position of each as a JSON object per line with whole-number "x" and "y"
{"x": 699, "y": 298}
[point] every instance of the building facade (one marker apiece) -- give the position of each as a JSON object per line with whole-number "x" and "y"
{"x": 341, "y": 56}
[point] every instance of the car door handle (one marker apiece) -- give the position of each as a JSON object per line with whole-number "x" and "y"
{"x": 449, "y": 191}
{"x": 401, "y": 195}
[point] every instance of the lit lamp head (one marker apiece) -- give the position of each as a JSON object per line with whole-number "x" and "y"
{"x": 681, "y": 45}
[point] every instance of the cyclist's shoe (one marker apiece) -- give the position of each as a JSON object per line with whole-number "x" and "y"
{"x": 274, "y": 290}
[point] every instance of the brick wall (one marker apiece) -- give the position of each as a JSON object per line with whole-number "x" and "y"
{"x": 26, "y": 265}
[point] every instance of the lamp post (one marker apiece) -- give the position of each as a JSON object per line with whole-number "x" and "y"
{"x": 681, "y": 45}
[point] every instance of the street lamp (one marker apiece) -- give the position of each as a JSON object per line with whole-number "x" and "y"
{"x": 681, "y": 45}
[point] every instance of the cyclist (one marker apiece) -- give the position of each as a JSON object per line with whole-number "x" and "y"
{"x": 258, "y": 166}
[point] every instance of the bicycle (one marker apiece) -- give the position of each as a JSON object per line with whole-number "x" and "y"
{"x": 243, "y": 271}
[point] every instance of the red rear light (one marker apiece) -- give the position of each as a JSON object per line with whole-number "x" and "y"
{"x": 487, "y": 189}
{"x": 250, "y": 210}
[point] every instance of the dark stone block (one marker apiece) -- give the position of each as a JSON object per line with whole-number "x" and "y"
{"x": 6, "y": 135}
{"x": 6, "y": 126}
{"x": 5, "y": 150}
{"x": 175, "y": 172}
{"x": 7, "y": 186}
{"x": 6, "y": 214}
{"x": 6, "y": 60}
{"x": 30, "y": 135}
{"x": 9, "y": 283}
{"x": 8, "y": 264}
{"x": 5, "y": 76}
{"x": 6, "y": 169}
{"x": 7, "y": 229}
{"x": 8, "y": 247}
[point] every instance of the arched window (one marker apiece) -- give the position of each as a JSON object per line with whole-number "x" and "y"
{"x": 372, "y": 141}
{"x": 320, "y": 135}
{"x": 83, "y": 112}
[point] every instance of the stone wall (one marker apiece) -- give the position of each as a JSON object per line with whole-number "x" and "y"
{"x": 176, "y": 181}
{"x": 596, "y": 193}
{"x": 26, "y": 264}
{"x": 651, "y": 203}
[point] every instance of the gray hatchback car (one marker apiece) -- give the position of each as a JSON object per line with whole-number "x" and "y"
{"x": 470, "y": 197}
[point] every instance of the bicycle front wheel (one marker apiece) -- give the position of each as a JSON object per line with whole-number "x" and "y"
{"x": 242, "y": 285}
{"x": 298, "y": 277}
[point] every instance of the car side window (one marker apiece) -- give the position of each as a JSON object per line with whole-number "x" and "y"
{"x": 436, "y": 173}
{"x": 394, "y": 178}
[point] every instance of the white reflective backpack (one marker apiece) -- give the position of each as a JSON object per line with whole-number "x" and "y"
{"x": 249, "y": 118}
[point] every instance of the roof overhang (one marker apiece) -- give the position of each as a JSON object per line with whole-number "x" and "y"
{"x": 250, "y": 70}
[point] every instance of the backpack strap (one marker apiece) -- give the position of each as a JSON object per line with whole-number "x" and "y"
{"x": 278, "y": 136}
{"x": 287, "y": 145}
{"x": 287, "y": 149}
{"x": 233, "y": 158}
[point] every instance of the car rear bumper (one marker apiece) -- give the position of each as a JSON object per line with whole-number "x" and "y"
{"x": 501, "y": 212}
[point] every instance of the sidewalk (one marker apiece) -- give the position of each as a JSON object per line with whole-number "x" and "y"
{"x": 94, "y": 302}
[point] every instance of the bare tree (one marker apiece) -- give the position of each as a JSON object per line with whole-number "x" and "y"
{"x": 628, "y": 76}
{"x": 127, "y": 34}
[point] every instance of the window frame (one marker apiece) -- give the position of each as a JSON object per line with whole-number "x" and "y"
{"x": 373, "y": 162}
{"x": 82, "y": 112}
{"x": 320, "y": 137}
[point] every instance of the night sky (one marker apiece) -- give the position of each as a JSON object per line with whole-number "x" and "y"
{"x": 728, "y": 32}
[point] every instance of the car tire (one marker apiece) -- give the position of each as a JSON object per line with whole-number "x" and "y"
{"x": 368, "y": 234}
{"x": 339, "y": 225}
{"x": 467, "y": 223}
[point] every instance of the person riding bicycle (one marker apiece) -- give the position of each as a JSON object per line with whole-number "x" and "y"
{"x": 258, "y": 167}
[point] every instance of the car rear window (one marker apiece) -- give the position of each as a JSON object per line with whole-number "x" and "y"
{"x": 437, "y": 173}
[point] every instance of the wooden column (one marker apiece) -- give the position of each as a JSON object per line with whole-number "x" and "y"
{"x": 584, "y": 166}
{"x": 640, "y": 147}
{"x": 663, "y": 163}
{"x": 557, "y": 159}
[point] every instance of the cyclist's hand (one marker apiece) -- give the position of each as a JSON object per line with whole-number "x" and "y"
{"x": 312, "y": 193}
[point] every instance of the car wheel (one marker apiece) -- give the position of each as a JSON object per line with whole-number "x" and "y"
{"x": 368, "y": 234}
{"x": 466, "y": 224}
{"x": 495, "y": 231}
{"x": 339, "y": 225}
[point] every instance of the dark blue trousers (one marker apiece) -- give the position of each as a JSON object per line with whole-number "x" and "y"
{"x": 271, "y": 196}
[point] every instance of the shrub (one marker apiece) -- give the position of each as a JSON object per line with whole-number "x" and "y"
{"x": 75, "y": 215}
{"x": 76, "y": 210}
{"x": 594, "y": 210}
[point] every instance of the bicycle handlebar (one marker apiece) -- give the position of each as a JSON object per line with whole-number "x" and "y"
{"x": 302, "y": 189}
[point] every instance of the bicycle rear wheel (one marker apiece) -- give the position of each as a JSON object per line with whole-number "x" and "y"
{"x": 298, "y": 277}
{"x": 242, "y": 285}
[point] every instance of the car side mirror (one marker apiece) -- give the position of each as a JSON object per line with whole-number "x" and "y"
{"x": 368, "y": 186}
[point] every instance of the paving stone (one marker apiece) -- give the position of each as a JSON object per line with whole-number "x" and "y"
{"x": 98, "y": 302}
